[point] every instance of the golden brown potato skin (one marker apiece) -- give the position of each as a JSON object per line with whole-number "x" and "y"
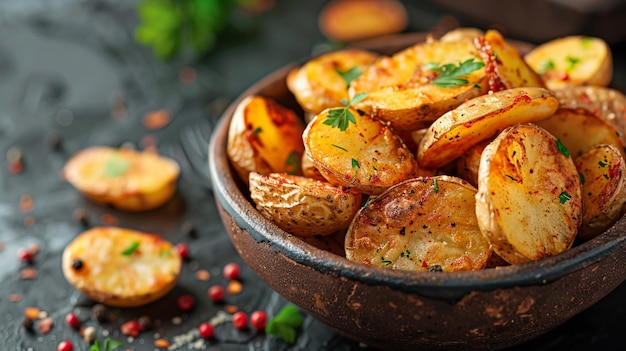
{"x": 529, "y": 202}
{"x": 367, "y": 157}
{"x": 418, "y": 225}
{"x": 110, "y": 276}
{"x": 264, "y": 137}
{"x": 303, "y": 206}
{"x": 604, "y": 189}
{"x": 123, "y": 178}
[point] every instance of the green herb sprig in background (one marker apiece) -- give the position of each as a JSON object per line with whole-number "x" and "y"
{"x": 285, "y": 323}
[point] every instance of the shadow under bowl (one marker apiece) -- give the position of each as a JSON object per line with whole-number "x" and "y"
{"x": 401, "y": 310}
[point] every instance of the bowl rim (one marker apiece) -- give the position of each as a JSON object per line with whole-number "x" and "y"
{"x": 239, "y": 207}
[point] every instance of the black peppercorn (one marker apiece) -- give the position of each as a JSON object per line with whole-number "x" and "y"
{"x": 190, "y": 230}
{"x": 77, "y": 264}
{"x": 100, "y": 313}
{"x": 55, "y": 142}
{"x": 145, "y": 322}
{"x": 28, "y": 324}
{"x": 82, "y": 216}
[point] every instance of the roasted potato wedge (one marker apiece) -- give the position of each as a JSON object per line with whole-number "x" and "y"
{"x": 318, "y": 85}
{"x": 121, "y": 267}
{"x": 401, "y": 91}
{"x": 303, "y": 206}
{"x": 462, "y": 33}
{"x": 504, "y": 65}
{"x": 572, "y": 60}
{"x": 367, "y": 156}
{"x": 603, "y": 173}
{"x": 467, "y": 165}
{"x": 421, "y": 224}
{"x": 480, "y": 119}
{"x": 580, "y": 130}
{"x": 607, "y": 103}
{"x": 123, "y": 178}
{"x": 529, "y": 203}
{"x": 264, "y": 137}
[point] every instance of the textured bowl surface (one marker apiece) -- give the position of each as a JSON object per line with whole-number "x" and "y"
{"x": 388, "y": 309}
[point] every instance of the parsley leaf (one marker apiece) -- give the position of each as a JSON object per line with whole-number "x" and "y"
{"x": 572, "y": 62}
{"x": 109, "y": 345}
{"x": 562, "y": 149}
{"x": 285, "y": 323}
{"x": 341, "y": 117}
{"x": 451, "y": 75}
{"x": 546, "y": 65}
{"x": 293, "y": 163}
{"x": 564, "y": 197}
{"x": 351, "y": 74}
{"x": 131, "y": 248}
{"x": 115, "y": 167}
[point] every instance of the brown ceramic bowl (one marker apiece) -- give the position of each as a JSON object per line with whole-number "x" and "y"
{"x": 481, "y": 310}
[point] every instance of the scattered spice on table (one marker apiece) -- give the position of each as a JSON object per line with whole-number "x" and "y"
{"x": 29, "y": 221}
{"x": 15, "y": 297}
{"x": 45, "y": 325}
{"x": 109, "y": 219}
{"x": 203, "y": 275}
{"x": 234, "y": 287}
{"x": 26, "y": 203}
{"x": 187, "y": 75}
{"x": 157, "y": 119}
{"x": 31, "y": 312}
{"x": 81, "y": 215}
{"x": 28, "y": 273}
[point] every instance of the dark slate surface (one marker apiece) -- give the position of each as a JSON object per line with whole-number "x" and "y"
{"x": 65, "y": 68}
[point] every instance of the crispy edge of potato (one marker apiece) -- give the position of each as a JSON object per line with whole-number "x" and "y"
{"x": 519, "y": 190}
{"x": 559, "y": 61}
{"x": 390, "y": 216}
{"x": 126, "y": 191}
{"x": 467, "y": 164}
{"x": 303, "y": 206}
{"x": 250, "y": 147}
{"x": 106, "y": 257}
{"x": 481, "y": 118}
{"x": 367, "y": 157}
{"x": 603, "y": 172}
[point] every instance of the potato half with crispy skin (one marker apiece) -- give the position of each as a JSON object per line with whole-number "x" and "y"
{"x": 580, "y": 130}
{"x": 264, "y": 137}
{"x": 504, "y": 65}
{"x": 422, "y": 224}
{"x": 607, "y": 103}
{"x": 401, "y": 91}
{"x": 319, "y": 85}
{"x": 121, "y": 267}
{"x": 480, "y": 119}
{"x": 572, "y": 60}
{"x": 467, "y": 165}
{"x": 603, "y": 173}
{"x": 367, "y": 156}
{"x": 303, "y": 206}
{"x": 529, "y": 203}
{"x": 123, "y": 178}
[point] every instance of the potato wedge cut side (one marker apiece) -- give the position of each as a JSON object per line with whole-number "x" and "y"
{"x": 603, "y": 173}
{"x": 480, "y": 119}
{"x": 504, "y": 65}
{"x": 426, "y": 223}
{"x": 367, "y": 157}
{"x": 607, "y": 103}
{"x": 580, "y": 130}
{"x": 317, "y": 85}
{"x": 303, "y": 206}
{"x": 529, "y": 203}
{"x": 573, "y": 60}
{"x": 264, "y": 137}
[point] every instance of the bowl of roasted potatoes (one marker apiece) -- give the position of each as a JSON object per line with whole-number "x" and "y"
{"x": 463, "y": 192}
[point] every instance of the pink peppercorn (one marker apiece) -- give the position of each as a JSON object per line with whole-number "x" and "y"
{"x": 65, "y": 345}
{"x": 231, "y": 271}
{"x": 72, "y": 320}
{"x": 183, "y": 250}
{"x": 185, "y": 302}
{"x": 240, "y": 320}
{"x": 205, "y": 330}
{"x": 258, "y": 319}
{"x": 131, "y": 328}
{"x": 216, "y": 293}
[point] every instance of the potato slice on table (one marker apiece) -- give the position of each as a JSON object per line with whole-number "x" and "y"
{"x": 121, "y": 267}
{"x": 529, "y": 203}
{"x": 573, "y": 60}
{"x": 422, "y": 224}
{"x": 367, "y": 156}
{"x": 402, "y": 91}
{"x": 303, "y": 206}
{"x": 580, "y": 130}
{"x": 319, "y": 85}
{"x": 603, "y": 174}
{"x": 480, "y": 119}
{"x": 607, "y": 103}
{"x": 504, "y": 65}
{"x": 123, "y": 178}
{"x": 264, "y": 137}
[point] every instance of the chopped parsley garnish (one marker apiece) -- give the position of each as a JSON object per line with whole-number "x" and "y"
{"x": 350, "y": 75}
{"x": 257, "y": 131}
{"x": 131, "y": 248}
{"x": 339, "y": 147}
{"x": 606, "y": 176}
{"x": 435, "y": 185}
{"x": 115, "y": 167}
{"x": 293, "y": 163}
{"x": 571, "y": 62}
{"x": 546, "y": 65}
{"x": 511, "y": 177}
{"x": 564, "y": 197}
{"x": 355, "y": 163}
{"x": 385, "y": 262}
{"x": 165, "y": 253}
{"x": 562, "y": 149}
{"x": 285, "y": 323}
{"x": 341, "y": 117}
{"x": 586, "y": 42}
{"x": 582, "y": 177}
{"x": 406, "y": 253}
{"x": 451, "y": 75}
{"x": 109, "y": 345}
{"x": 602, "y": 164}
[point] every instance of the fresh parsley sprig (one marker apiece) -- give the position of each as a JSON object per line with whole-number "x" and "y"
{"x": 285, "y": 323}
{"x": 341, "y": 117}
{"x": 109, "y": 345}
{"x": 451, "y": 75}
{"x": 350, "y": 75}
